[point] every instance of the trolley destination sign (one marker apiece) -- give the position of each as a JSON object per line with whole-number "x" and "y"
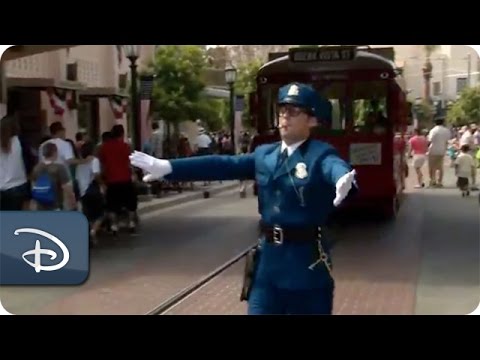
{"x": 322, "y": 54}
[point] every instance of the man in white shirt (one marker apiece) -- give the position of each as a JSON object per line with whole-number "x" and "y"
{"x": 202, "y": 143}
{"x": 468, "y": 138}
{"x": 157, "y": 141}
{"x": 64, "y": 148}
{"x": 438, "y": 138}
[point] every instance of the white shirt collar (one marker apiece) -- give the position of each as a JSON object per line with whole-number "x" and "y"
{"x": 291, "y": 148}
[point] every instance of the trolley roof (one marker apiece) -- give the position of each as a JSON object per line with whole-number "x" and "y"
{"x": 326, "y": 59}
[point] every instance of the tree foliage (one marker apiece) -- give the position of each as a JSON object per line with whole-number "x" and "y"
{"x": 466, "y": 109}
{"x": 424, "y": 113}
{"x": 247, "y": 83}
{"x": 246, "y": 77}
{"x": 213, "y": 112}
{"x": 178, "y": 86}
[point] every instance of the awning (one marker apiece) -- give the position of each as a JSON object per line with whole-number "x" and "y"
{"x": 99, "y": 92}
{"x": 19, "y": 51}
{"x": 43, "y": 83}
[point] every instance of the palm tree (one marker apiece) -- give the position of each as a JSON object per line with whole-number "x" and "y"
{"x": 427, "y": 70}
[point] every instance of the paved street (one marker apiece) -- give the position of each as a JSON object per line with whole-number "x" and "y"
{"x": 427, "y": 262}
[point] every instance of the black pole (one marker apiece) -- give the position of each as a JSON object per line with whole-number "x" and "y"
{"x": 134, "y": 107}
{"x": 232, "y": 117}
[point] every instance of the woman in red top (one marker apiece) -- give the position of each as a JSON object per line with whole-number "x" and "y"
{"x": 418, "y": 147}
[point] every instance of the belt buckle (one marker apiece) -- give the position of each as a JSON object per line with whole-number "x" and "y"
{"x": 277, "y": 235}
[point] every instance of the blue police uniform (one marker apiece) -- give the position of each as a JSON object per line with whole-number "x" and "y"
{"x": 298, "y": 194}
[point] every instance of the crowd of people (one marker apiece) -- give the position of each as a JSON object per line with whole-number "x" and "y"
{"x": 62, "y": 174}
{"x": 205, "y": 143}
{"x": 461, "y": 145}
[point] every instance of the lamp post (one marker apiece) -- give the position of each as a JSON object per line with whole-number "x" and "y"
{"x": 230, "y": 77}
{"x": 132, "y": 53}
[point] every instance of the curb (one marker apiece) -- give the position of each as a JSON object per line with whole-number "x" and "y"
{"x": 177, "y": 200}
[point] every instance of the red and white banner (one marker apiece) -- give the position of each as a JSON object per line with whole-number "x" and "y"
{"x": 57, "y": 101}
{"x": 118, "y": 106}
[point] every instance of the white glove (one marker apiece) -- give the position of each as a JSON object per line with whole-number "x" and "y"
{"x": 156, "y": 168}
{"x": 344, "y": 185}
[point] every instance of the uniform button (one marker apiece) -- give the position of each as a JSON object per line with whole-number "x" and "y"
{"x": 276, "y": 209}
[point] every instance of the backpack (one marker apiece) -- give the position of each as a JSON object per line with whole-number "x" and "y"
{"x": 43, "y": 190}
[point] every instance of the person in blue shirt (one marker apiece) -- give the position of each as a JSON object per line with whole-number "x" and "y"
{"x": 300, "y": 182}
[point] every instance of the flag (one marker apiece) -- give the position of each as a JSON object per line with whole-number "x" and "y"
{"x": 118, "y": 106}
{"x": 57, "y": 101}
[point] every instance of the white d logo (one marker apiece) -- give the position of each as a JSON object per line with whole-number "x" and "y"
{"x": 38, "y": 251}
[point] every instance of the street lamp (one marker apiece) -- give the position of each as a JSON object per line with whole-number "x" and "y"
{"x": 132, "y": 53}
{"x": 230, "y": 77}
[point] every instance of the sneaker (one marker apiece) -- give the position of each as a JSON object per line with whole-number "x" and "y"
{"x": 114, "y": 230}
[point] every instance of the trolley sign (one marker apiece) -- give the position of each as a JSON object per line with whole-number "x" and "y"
{"x": 330, "y": 54}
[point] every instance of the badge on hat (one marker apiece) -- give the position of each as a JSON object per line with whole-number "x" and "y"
{"x": 293, "y": 90}
{"x": 301, "y": 171}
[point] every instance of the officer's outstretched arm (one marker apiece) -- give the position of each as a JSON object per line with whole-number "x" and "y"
{"x": 334, "y": 167}
{"x": 199, "y": 168}
{"x": 340, "y": 174}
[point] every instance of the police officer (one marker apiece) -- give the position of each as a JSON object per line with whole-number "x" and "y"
{"x": 300, "y": 182}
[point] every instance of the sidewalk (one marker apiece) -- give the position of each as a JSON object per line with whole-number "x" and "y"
{"x": 149, "y": 203}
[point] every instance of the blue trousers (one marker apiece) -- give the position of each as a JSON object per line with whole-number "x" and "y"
{"x": 268, "y": 300}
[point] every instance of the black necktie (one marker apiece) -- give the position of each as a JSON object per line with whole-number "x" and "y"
{"x": 283, "y": 157}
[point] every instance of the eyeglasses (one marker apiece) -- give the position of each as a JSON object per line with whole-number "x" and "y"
{"x": 291, "y": 111}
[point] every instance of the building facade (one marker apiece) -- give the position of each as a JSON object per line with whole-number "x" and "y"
{"x": 454, "y": 67}
{"x": 83, "y": 86}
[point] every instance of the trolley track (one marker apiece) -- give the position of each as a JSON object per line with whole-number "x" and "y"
{"x": 189, "y": 291}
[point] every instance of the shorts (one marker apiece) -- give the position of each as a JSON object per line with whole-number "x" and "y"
{"x": 92, "y": 206}
{"x": 418, "y": 161}
{"x": 435, "y": 161}
{"x": 462, "y": 182}
{"x": 121, "y": 195}
{"x": 14, "y": 198}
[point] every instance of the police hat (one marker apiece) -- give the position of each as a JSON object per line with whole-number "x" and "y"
{"x": 306, "y": 97}
{"x": 300, "y": 95}
{"x": 324, "y": 111}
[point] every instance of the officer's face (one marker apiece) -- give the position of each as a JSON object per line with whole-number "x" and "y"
{"x": 294, "y": 123}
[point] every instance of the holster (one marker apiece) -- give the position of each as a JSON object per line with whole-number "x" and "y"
{"x": 251, "y": 264}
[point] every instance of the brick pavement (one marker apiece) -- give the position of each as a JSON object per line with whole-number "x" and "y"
{"x": 411, "y": 266}
{"x": 375, "y": 267}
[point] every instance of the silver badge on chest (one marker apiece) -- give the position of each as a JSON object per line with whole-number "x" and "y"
{"x": 301, "y": 171}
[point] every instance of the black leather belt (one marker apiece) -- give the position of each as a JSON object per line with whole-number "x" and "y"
{"x": 278, "y": 235}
